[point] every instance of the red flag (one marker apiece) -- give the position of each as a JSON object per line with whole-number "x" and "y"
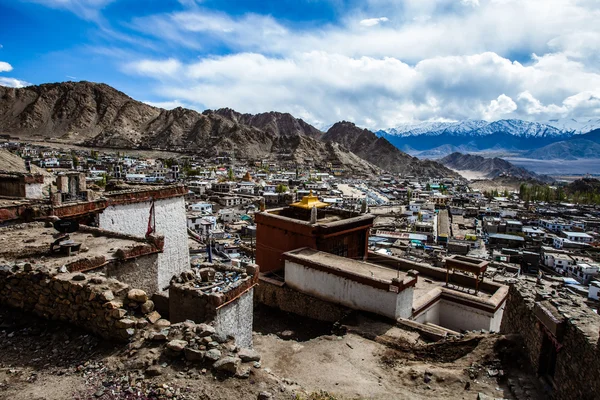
{"x": 151, "y": 221}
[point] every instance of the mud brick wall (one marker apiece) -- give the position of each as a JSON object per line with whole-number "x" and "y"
{"x": 277, "y": 295}
{"x": 89, "y": 301}
{"x": 519, "y": 318}
{"x": 577, "y": 373}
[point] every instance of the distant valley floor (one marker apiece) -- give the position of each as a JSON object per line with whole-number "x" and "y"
{"x": 559, "y": 167}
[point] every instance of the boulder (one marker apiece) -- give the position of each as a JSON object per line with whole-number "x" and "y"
{"x": 203, "y": 330}
{"x": 137, "y": 295}
{"x": 153, "y": 317}
{"x": 212, "y": 355}
{"x": 248, "y": 355}
{"x": 162, "y": 323}
{"x": 147, "y": 307}
{"x": 125, "y": 323}
{"x": 177, "y": 345}
{"x": 162, "y": 335}
{"x": 227, "y": 364}
{"x": 193, "y": 354}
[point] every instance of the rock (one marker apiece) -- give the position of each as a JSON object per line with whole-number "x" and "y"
{"x": 154, "y": 370}
{"x": 97, "y": 280}
{"x": 125, "y": 323}
{"x": 147, "y": 307}
{"x": 193, "y": 354}
{"x": 27, "y": 267}
{"x": 264, "y": 396}
{"x": 79, "y": 277}
{"x": 137, "y": 295}
{"x": 157, "y": 336}
{"x": 213, "y": 345}
{"x": 107, "y": 295}
{"x": 63, "y": 270}
{"x": 287, "y": 334}
{"x": 162, "y": 323}
{"x": 243, "y": 373}
{"x": 212, "y": 355}
{"x": 248, "y": 355}
{"x": 177, "y": 345}
{"x": 153, "y": 317}
{"x": 227, "y": 364}
{"x": 118, "y": 313}
{"x": 203, "y": 330}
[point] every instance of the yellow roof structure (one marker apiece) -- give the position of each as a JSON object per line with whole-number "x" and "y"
{"x": 247, "y": 177}
{"x": 308, "y": 202}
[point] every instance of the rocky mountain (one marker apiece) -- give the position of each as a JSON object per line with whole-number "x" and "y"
{"x": 380, "y": 151}
{"x": 489, "y": 168}
{"x": 276, "y": 123}
{"x": 98, "y": 115}
{"x": 567, "y": 150}
{"x": 511, "y": 134}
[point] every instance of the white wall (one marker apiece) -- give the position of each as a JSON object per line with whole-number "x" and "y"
{"x": 458, "y": 317}
{"x": 351, "y": 294}
{"x": 34, "y": 190}
{"x": 431, "y": 315}
{"x": 236, "y": 318}
{"x": 170, "y": 223}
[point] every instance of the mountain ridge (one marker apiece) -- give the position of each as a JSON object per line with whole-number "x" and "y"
{"x": 95, "y": 114}
{"x": 489, "y": 168}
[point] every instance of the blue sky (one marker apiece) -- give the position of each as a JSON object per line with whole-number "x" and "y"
{"x": 378, "y": 63}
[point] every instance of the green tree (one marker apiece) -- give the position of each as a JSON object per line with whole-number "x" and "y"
{"x": 230, "y": 174}
{"x": 75, "y": 159}
{"x": 281, "y": 188}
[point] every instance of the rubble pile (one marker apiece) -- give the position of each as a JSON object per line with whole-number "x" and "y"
{"x": 104, "y": 306}
{"x": 214, "y": 278}
{"x": 197, "y": 344}
{"x": 196, "y": 294}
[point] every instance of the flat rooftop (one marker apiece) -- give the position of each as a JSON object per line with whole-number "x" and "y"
{"x": 31, "y": 242}
{"x": 355, "y": 267}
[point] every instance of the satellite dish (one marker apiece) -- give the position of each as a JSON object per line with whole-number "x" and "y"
{"x": 66, "y": 226}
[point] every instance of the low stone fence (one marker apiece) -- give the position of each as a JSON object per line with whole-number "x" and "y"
{"x": 104, "y": 306}
{"x": 277, "y": 294}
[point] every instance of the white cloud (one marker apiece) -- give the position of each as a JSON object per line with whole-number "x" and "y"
{"x": 380, "y": 92}
{"x": 86, "y": 9}
{"x": 472, "y": 3}
{"x": 156, "y": 68}
{"x": 12, "y": 82}
{"x": 372, "y": 21}
{"x": 499, "y": 107}
{"x": 425, "y": 60}
{"x": 5, "y": 67}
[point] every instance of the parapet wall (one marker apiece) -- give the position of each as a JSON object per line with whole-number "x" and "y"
{"x": 277, "y": 294}
{"x": 543, "y": 314}
{"x": 89, "y": 301}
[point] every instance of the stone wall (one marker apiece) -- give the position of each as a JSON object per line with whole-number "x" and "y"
{"x": 278, "y": 295}
{"x": 90, "y": 301}
{"x": 571, "y": 323}
{"x": 197, "y": 296}
{"x": 139, "y": 273}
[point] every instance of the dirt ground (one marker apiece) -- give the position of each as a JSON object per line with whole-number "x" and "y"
{"x": 366, "y": 358}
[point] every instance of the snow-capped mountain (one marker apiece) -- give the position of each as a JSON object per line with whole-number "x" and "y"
{"x": 513, "y": 127}
{"x": 575, "y": 126}
{"x": 508, "y": 134}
